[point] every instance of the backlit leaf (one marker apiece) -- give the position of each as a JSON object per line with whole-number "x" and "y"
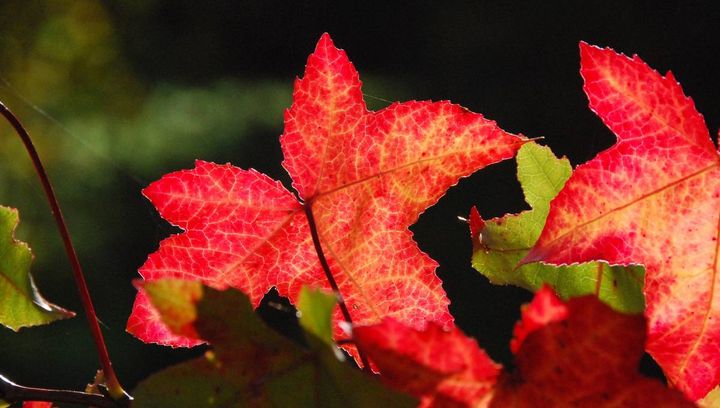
{"x": 365, "y": 177}
{"x": 506, "y": 240}
{"x": 316, "y": 308}
{"x": 442, "y": 367}
{"x": 575, "y": 354}
{"x": 652, "y": 199}
{"x": 584, "y": 356}
{"x": 21, "y": 305}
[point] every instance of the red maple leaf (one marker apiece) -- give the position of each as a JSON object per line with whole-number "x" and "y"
{"x": 579, "y": 353}
{"x": 652, "y": 199}
{"x": 364, "y": 177}
{"x": 441, "y": 367}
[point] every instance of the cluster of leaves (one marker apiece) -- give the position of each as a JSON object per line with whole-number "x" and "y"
{"x": 363, "y": 177}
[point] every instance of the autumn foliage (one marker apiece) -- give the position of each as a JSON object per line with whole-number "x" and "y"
{"x": 651, "y": 199}
{"x": 622, "y": 252}
{"x": 364, "y": 177}
{"x": 558, "y": 363}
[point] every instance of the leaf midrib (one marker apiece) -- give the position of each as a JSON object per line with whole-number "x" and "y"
{"x": 711, "y": 296}
{"x": 366, "y": 179}
{"x": 404, "y": 166}
{"x": 15, "y": 286}
{"x": 634, "y": 201}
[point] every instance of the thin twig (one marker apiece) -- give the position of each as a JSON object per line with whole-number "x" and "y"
{"x": 112, "y": 383}
{"x": 331, "y": 279}
{"x": 11, "y": 393}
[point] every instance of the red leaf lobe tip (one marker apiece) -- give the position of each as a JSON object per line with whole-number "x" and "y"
{"x": 476, "y": 224}
{"x": 545, "y": 308}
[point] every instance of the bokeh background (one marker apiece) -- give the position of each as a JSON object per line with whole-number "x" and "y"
{"x": 117, "y": 94}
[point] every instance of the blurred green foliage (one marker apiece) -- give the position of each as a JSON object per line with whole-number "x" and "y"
{"x": 102, "y": 133}
{"x": 63, "y": 74}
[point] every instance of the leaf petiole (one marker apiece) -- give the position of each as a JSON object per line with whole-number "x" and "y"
{"x": 111, "y": 381}
{"x": 307, "y": 206}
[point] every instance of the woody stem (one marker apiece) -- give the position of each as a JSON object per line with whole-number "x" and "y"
{"x": 112, "y": 383}
{"x": 11, "y": 393}
{"x": 331, "y": 279}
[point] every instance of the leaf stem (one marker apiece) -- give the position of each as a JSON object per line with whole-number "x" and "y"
{"x": 331, "y": 279}
{"x": 11, "y": 393}
{"x": 111, "y": 380}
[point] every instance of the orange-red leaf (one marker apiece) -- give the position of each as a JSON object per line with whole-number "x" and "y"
{"x": 238, "y": 228}
{"x": 588, "y": 358}
{"x": 441, "y": 367}
{"x": 365, "y": 175}
{"x": 653, "y": 199}
{"x": 580, "y": 353}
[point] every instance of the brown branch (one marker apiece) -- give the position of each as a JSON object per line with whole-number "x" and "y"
{"x": 114, "y": 387}
{"x": 11, "y": 393}
{"x": 331, "y": 279}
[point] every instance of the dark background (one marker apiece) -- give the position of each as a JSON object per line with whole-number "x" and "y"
{"x": 119, "y": 93}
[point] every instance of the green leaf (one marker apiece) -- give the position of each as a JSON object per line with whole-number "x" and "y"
{"x": 250, "y": 364}
{"x": 316, "y": 309}
{"x": 504, "y": 242}
{"x": 21, "y": 305}
{"x": 711, "y": 400}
